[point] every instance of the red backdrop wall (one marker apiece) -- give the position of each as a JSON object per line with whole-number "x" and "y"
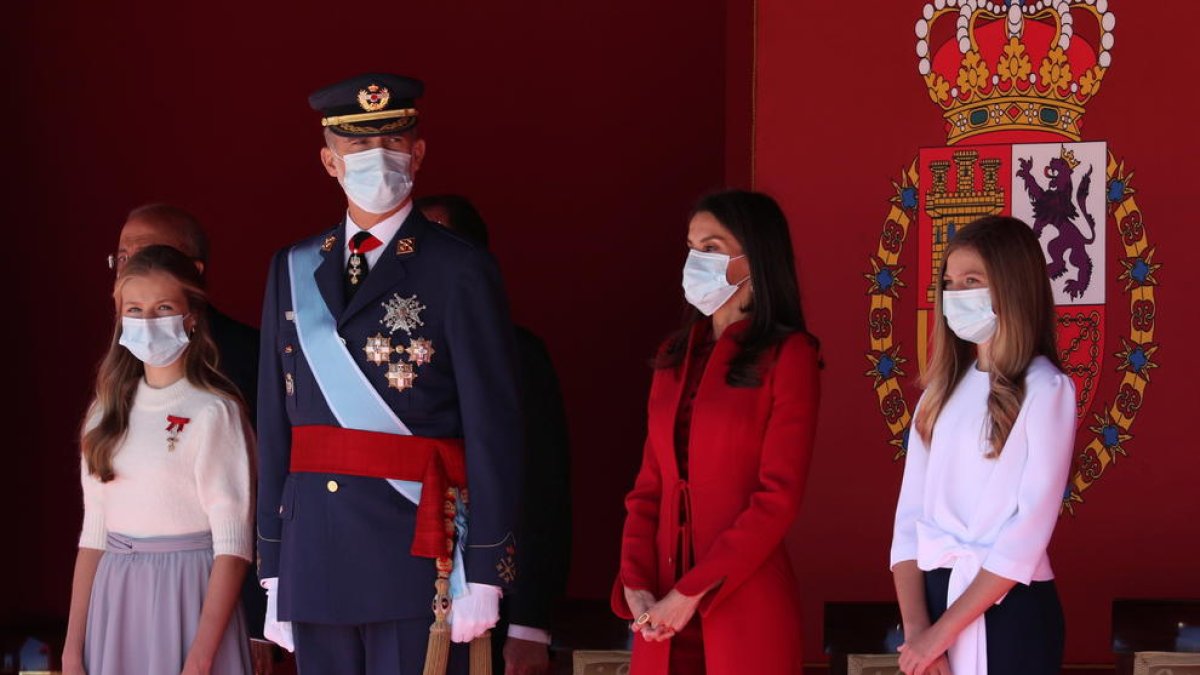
{"x": 583, "y": 131}
{"x": 839, "y": 110}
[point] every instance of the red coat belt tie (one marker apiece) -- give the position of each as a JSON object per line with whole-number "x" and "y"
{"x": 678, "y": 504}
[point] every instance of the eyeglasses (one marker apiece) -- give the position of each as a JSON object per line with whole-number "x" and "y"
{"x": 115, "y": 259}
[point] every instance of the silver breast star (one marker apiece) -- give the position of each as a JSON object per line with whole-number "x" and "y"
{"x": 402, "y": 314}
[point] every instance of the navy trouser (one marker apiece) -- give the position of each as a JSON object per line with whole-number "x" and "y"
{"x": 386, "y": 648}
{"x": 1025, "y": 633}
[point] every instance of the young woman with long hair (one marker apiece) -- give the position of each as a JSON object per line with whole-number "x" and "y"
{"x": 988, "y": 457}
{"x": 704, "y": 573}
{"x": 166, "y": 476}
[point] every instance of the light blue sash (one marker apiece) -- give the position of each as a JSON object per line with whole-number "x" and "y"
{"x": 352, "y": 398}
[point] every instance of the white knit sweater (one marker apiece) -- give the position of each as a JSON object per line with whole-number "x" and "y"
{"x": 203, "y": 484}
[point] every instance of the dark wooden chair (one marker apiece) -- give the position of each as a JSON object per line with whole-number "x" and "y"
{"x": 860, "y": 628}
{"x": 1153, "y": 626}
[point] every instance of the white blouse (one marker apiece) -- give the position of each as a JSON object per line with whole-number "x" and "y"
{"x": 962, "y": 511}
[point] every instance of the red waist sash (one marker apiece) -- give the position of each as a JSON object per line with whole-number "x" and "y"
{"x": 439, "y": 464}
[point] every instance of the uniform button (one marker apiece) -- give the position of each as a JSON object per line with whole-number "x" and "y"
{"x": 289, "y": 349}
{"x": 281, "y": 509}
{"x": 332, "y": 486}
{"x": 342, "y": 339}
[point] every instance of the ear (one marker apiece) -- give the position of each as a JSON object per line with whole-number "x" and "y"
{"x": 738, "y": 270}
{"x": 329, "y": 161}
{"x": 418, "y": 155}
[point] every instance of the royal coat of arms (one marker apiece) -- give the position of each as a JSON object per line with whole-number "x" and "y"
{"x": 1013, "y": 80}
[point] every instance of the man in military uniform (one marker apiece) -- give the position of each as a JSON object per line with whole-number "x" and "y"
{"x": 387, "y": 387}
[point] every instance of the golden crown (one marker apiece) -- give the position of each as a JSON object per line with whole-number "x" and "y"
{"x": 1014, "y": 65}
{"x": 1068, "y": 156}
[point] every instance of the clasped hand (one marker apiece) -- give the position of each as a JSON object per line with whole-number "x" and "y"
{"x": 662, "y": 619}
{"x": 924, "y": 654}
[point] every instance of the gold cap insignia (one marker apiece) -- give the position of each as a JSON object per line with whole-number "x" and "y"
{"x": 373, "y": 98}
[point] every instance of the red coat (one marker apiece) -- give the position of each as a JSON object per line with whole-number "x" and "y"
{"x": 748, "y": 460}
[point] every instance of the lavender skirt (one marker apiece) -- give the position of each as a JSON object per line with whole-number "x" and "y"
{"x": 145, "y": 608}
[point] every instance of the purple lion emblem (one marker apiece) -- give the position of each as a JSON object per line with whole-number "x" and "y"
{"x": 1053, "y": 206}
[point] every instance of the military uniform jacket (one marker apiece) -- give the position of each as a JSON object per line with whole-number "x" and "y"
{"x": 339, "y": 544}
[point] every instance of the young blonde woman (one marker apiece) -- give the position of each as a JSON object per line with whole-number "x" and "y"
{"x": 166, "y": 490}
{"x": 988, "y": 459}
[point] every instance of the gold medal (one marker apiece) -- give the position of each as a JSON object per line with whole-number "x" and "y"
{"x": 420, "y": 351}
{"x": 175, "y": 425}
{"x": 378, "y": 349}
{"x": 400, "y": 376}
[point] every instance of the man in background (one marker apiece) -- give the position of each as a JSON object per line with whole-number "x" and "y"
{"x": 521, "y": 642}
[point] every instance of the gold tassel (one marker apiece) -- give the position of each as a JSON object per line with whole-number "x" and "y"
{"x": 481, "y": 654}
{"x": 437, "y": 653}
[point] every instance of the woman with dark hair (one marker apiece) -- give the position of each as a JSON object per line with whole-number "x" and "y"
{"x": 732, "y": 413}
{"x": 987, "y": 463}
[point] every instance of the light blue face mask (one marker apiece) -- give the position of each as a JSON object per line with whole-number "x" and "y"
{"x": 704, "y": 280}
{"x": 377, "y": 180}
{"x": 969, "y": 314}
{"x": 156, "y": 342}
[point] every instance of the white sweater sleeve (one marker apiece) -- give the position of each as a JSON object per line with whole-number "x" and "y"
{"x": 223, "y": 478}
{"x": 1050, "y": 434}
{"x": 911, "y": 505}
{"x": 93, "y": 534}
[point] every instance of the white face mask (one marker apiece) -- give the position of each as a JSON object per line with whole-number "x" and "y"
{"x": 969, "y": 314}
{"x": 156, "y": 342}
{"x": 377, "y": 180}
{"x": 704, "y": 281}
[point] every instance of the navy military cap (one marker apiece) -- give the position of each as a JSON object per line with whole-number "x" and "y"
{"x": 374, "y": 104}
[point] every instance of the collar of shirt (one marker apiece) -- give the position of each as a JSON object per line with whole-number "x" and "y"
{"x": 384, "y": 231}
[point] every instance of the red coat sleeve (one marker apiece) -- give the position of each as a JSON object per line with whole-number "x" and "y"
{"x": 787, "y": 448}
{"x": 639, "y": 561}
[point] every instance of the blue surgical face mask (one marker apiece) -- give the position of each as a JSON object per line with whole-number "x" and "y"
{"x": 377, "y": 180}
{"x": 156, "y": 342}
{"x": 704, "y": 280}
{"x": 969, "y": 314}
